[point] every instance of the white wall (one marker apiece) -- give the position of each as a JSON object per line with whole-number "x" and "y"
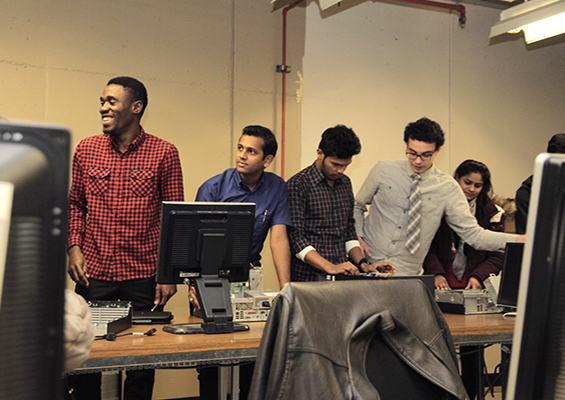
{"x": 375, "y": 66}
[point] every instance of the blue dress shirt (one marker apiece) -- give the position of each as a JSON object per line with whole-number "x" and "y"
{"x": 269, "y": 196}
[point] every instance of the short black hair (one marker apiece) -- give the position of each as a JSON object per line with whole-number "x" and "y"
{"x": 270, "y": 145}
{"x": 556, "y": 143}
{"x": 135, "y": 88}
{"x": 340, "y": 141}
{"x": 425, "y": 130}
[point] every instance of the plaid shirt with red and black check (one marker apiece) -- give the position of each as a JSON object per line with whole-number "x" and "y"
{"x": 115, "y": 203}
{"x": 322, "y": 217}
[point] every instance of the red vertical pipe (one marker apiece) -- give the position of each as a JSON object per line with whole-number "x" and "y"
{"x": 283, "y": 104}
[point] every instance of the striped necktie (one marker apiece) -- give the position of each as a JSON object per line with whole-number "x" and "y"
{"x": 414, "y": 215}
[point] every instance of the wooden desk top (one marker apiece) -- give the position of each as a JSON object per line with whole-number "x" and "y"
{"x": 480, "y": 328}
{"x": 163, "y": 342}
{"x": 166, "y": 350}
{"x": 479, "y": 324}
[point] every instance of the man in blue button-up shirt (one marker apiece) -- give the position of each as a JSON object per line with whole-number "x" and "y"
{"x": 249, "y": 183}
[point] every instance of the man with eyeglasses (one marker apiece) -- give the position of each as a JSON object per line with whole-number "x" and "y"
{"x": 396, "y": 230}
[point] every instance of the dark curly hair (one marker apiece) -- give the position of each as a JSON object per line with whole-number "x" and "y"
{"x": 340, "y": 141}
{"x": 425, "y": 130}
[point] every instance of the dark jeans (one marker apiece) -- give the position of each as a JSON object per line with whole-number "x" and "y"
{"x": 141, "y": 293}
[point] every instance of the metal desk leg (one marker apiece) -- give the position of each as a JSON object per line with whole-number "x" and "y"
{"x": 223, "y": 383}
{"x": 505, "y": 351}
{"x": 235, "y": 382}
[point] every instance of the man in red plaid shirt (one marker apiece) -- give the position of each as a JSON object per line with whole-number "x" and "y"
{"x": 120, "y": 179}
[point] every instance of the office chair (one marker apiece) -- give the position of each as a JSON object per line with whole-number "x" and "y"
{"x": 384, "y": 340}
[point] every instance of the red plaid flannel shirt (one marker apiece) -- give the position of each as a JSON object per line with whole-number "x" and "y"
{"x": 115, "y": 203}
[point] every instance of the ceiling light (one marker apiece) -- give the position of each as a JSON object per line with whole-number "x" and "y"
{"x": 538, "y": 19}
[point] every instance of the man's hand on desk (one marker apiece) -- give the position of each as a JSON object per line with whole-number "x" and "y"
{"x": 382, "y": 267}
{"x": 163, "y": 293}
{"x": 192, "y": 299}
{"x": 78, "y": 270}
{"x": 343, "y": 268}
{"x": 314, "y": 259}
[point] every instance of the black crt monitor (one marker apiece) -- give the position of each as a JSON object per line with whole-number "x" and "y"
{"x": 510, "y": 275}
{"x": 34, "y": 169}
{"x": 537, "y": 365}
{"x": 208, "y": 245}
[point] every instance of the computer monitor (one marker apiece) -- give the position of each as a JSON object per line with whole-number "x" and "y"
{"x": 537, "y": 366}
{"x": 510, "y": 275}
{"x": 207, "y": 245}
{"x": 34, "y": 166}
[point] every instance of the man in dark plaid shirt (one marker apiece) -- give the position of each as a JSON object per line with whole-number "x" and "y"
{"x": 120, "y": 179}
{"x": 320, "y": 198}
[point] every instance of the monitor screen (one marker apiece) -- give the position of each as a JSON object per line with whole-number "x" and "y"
{"x": 200, "y": 238}
{"x": 510, "y": 275}
{"x": 34, "y": 162}
{"x": 536, "y": 364}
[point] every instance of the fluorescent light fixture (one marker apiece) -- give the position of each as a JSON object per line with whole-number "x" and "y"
{"x": 538, "y": 19}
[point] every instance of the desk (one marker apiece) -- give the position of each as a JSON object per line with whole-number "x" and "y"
{"x": 474, "y": 332}
{"x": 480, "y": 329}
{"x": 167, "y": 350}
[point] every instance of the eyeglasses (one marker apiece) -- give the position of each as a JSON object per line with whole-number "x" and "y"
{"x": 412, "y": 155}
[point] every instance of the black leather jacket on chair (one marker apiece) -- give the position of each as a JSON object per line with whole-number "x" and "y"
{"x": 317, "y": 338}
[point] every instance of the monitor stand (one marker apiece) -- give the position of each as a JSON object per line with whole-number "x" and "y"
{"x": 213, "y": 294}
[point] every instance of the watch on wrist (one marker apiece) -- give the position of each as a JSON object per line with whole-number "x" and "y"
{"x": 361, "y": 261}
